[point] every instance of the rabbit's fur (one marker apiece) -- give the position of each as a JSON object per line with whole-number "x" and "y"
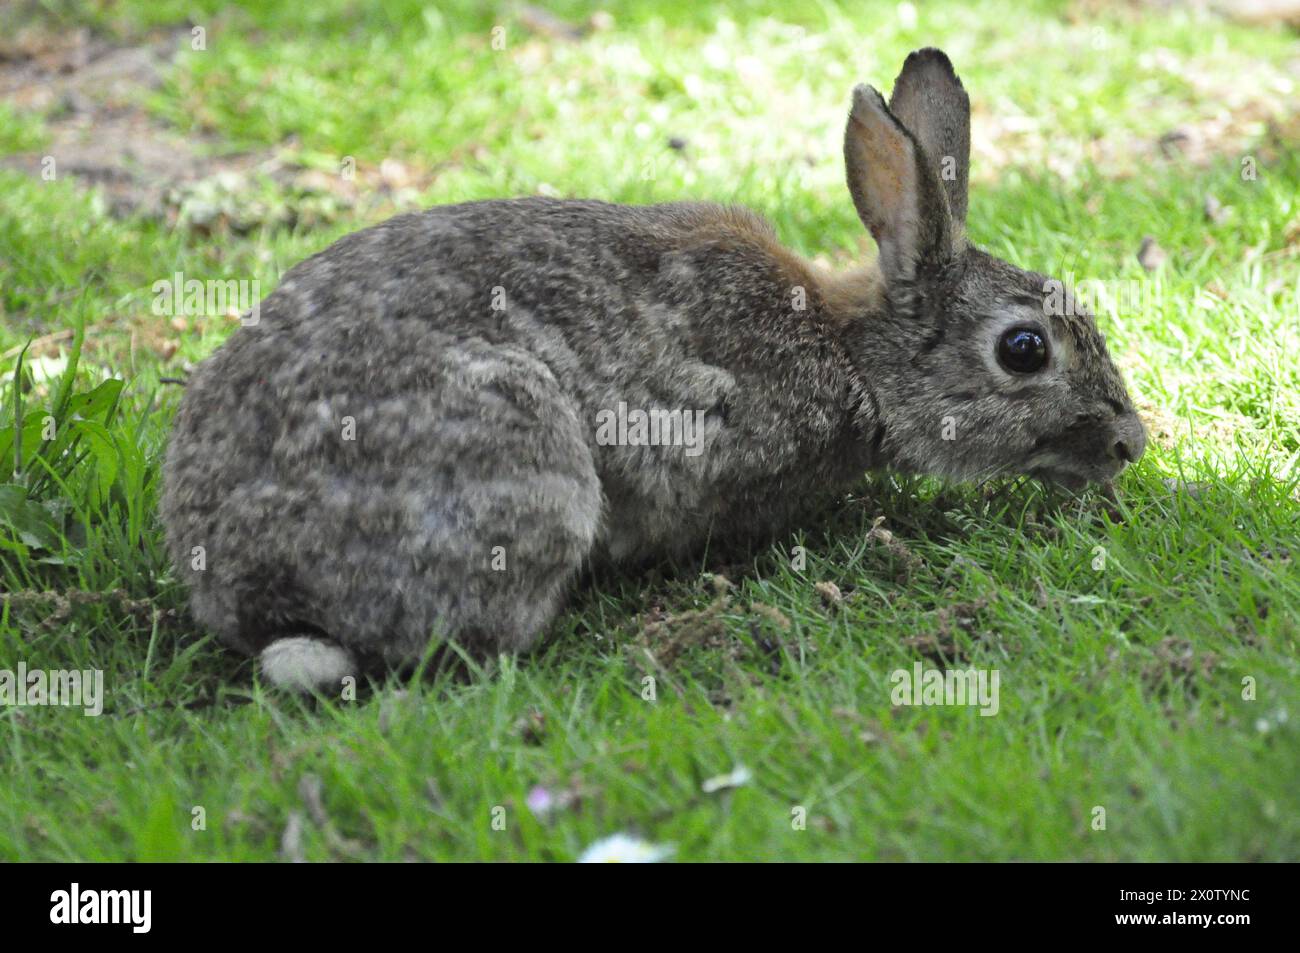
{"x": 406, "y": 444}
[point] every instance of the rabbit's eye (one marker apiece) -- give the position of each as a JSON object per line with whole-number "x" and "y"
{"x": 1022, "y": 351}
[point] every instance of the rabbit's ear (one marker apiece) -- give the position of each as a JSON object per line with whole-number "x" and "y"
{"x": 929, "y": 100}
{"x": 897, "y": 193}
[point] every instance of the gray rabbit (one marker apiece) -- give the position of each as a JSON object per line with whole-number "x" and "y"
{"x": 437, "y": 422}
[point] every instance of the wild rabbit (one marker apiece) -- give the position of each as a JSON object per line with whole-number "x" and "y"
{"x": 438, "y": 421}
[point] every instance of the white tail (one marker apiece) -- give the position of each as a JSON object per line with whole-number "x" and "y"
{"x": 302, "y": 663}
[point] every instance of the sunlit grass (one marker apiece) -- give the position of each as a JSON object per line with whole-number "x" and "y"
{"x": 1122, "y": 686}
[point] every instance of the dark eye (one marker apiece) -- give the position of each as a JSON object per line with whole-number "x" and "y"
{"x": 1022, "y": 350}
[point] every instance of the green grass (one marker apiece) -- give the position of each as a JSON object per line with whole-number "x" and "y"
{"x": 1121, "y": 686}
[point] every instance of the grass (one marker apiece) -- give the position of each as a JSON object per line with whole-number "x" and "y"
{"x": 1123, "y": 668}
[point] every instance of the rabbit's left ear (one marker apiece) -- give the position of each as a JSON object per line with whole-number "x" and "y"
{"x": 929, "y": 99}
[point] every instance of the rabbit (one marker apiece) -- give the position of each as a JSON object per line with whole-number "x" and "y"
{"x": 438, "y": 423}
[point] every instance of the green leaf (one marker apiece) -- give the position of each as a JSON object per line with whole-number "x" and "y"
{"x": 29, "y": 521}
{"x": 100, "y": 400}
{"x": 103, "y": 447}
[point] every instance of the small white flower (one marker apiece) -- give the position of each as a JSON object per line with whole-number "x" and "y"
{"x": 737, "y": 777}
{"x": 624, "y": 849}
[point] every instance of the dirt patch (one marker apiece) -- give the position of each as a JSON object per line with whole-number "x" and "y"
{"x": 666, "y": 637}
{"x": 57, "y": 607}
{"x": 1176, "y": 661}
{"x": 943, "y": 646}
{"x": 1168, "y": 430}
{"x": 907, "y": 562}
{"x": 91, "y": 92}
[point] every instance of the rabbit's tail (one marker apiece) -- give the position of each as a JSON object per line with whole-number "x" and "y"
{"x": 306, "y": 663}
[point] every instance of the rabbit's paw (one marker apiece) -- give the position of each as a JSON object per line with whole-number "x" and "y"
{"x": 303, "y": 664}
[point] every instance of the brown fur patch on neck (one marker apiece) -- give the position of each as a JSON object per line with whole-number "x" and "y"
{"x": 852, "y": 294}
{"x": 735, "y": 224}
{"x": 847, "y": 295}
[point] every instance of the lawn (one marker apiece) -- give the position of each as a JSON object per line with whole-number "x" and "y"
{"x": 1145, "y": 638}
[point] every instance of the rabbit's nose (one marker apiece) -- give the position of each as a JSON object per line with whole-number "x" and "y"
{"x": 1130, "y": 439}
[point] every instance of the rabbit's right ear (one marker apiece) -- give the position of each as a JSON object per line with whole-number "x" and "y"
{"x": 897, "y": 194}
{"x": 929, "y": 99}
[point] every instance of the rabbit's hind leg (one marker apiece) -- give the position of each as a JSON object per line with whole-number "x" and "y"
{"x": 463, "y": 510}
{"x": 503, "y": 539}
{"x": 456, "y": 500}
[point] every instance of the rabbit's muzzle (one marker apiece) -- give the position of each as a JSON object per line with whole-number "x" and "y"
{"x": 1087, "y": 453}
{"x": 1128, "y": 439}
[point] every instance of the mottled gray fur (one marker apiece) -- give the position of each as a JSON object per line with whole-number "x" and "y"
{"x": 404, "y": 445}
